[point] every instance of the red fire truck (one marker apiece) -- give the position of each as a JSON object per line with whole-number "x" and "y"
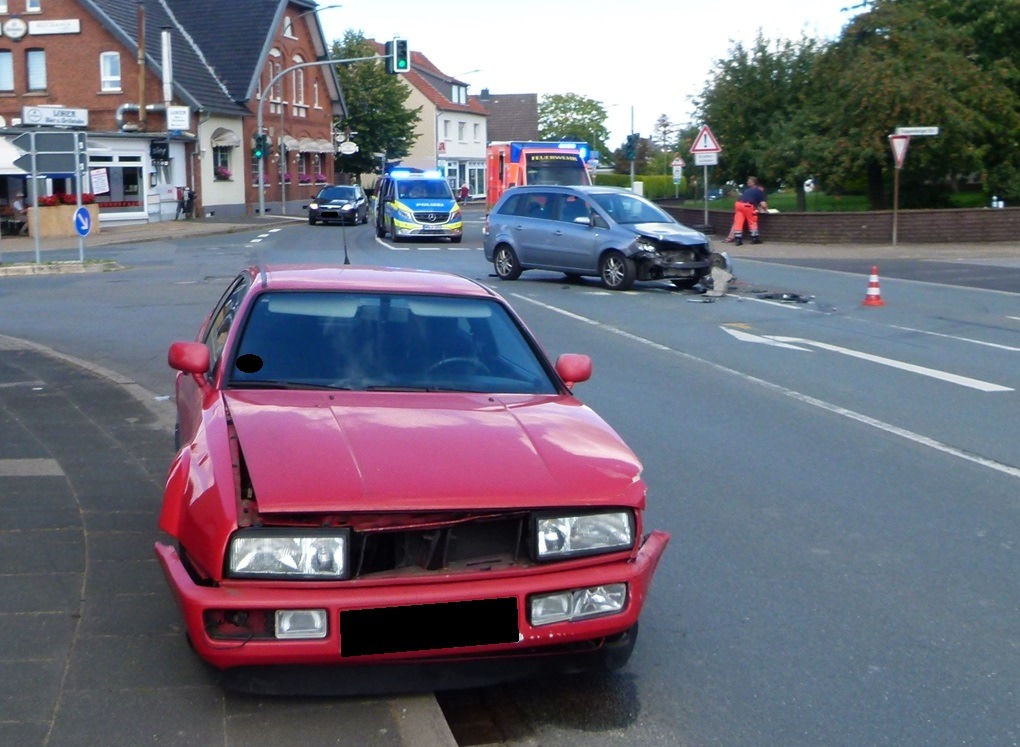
{"x": 512, "y": 164}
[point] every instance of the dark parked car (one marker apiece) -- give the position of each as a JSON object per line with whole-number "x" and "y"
{"x": 381, "y": 466}
{"x": 606, "y": 232}
{"x": 340, "y": 204}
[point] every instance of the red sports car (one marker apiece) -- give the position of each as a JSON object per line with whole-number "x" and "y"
{"x": 381, "y": 466}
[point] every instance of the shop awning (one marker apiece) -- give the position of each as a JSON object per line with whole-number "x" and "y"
{"x": 225, "y": 138}
{"x": 7, "y": 155}
{"x": 290, "y": 143}
{"x": 307, "y": 145}
{"x": 325, "y": 146}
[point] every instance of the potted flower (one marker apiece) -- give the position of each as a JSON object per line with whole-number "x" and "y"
{"x": 320, "y": 178}
{"x": 222, "y": 174}
{"x": 286, "y": 177}
{"x": 56, "y": 214}
{"x": 304, "y": 179}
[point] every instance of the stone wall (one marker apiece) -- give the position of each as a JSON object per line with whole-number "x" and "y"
{"x": 872, "y": 227}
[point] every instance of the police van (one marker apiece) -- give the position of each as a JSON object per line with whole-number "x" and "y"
{"x": 417, "y": 205}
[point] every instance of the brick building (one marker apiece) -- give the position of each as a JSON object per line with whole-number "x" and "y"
{"x": 75, "y": 64}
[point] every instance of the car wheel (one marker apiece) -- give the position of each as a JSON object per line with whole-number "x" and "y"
{"x": 455, "y": 239}
{"x": 506, "y": 264}
{"x": 617, "y": 271}
{"x": 617, "y": 650}
{"x": 311, "y": 221}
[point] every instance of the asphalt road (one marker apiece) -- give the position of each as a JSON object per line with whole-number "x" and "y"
{"x": 840, "y": 482}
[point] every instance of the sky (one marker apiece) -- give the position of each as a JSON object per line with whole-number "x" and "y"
{"x": 640, "y": 59}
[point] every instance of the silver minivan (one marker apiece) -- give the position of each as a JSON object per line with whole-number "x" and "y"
{"x": 605, "y": 232}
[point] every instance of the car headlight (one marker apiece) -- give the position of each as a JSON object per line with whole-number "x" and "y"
{"x": 645, "y": 245}
{"x": 405, "y": 215}
{"x": 313, "y": 205}
{"x": 280, "y": 553}
{"x": 568, "y": 535}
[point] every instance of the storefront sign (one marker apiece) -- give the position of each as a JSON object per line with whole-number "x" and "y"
{"x": 54, "y": 116}
{"x": 56, "y": 26}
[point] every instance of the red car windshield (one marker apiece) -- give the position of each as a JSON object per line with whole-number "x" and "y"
{"x": 370, "y": 341}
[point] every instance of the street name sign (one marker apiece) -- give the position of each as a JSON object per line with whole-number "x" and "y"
{"x": 917, "y": 131}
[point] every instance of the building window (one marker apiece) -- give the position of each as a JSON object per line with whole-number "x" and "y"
{"x": 6, "y": 70}
{"x": 33, "y": 6}
{"x": 288, "y": 28}
{"x": 221, "y": 163}
{"x": 298, "y": 85}
{"x": 477, "y": 130}
{"x": 109, "y": 71}
{"x": 460, "y": 131}
{"x": 446, "y": 129}
{"x": 315, "y": 95}
{"x": 36, "y": 63}
{"x": 3, "y": 6}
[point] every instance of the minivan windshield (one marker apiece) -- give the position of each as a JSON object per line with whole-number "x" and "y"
{"x": 415, "y": 189}
{"x": 626, "y": 208}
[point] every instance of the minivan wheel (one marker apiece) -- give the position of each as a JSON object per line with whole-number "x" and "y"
{"x": 506, "y": 264}
{"x": 617, "y": 272}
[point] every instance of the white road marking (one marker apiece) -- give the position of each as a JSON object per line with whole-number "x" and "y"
{"x": 996, "y": 345}
{"x": 30, "y": 468}
{"x": 748, "y": 337}
{"x": 793, "y": 394}
{"x": 934, "y": 373}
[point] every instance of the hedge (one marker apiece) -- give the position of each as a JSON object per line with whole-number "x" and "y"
{"x": 657, "y": 187}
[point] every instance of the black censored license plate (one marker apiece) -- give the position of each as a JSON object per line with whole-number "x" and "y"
{"x": 423, "y": 627}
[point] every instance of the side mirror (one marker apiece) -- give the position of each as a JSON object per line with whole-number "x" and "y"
{"x": 573, "y": 368}
{"x": 304, "y": 207}
{"x": 583, "y": 220}
{"x": 189, "y": 357}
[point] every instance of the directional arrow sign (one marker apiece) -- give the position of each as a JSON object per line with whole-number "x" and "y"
{"x": 82, "y": 221}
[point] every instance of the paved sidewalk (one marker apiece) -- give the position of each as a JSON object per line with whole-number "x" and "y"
{"x": 92, "y": 651}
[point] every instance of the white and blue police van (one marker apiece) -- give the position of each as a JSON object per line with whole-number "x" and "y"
{"x": 417, "y": 205}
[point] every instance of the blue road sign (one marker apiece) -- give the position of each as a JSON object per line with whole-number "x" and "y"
{"x": 82, "y": 221}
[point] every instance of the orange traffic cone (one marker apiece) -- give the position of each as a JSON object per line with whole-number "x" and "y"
{"x": 874, "y": 295}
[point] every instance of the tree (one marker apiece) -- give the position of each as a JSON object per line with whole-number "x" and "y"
{"x": 568, "y": 116}
{"x": 755, "y": 104}
{"x": 897, "y": 65}
{"x": 375, "y": 105}
{"x": 664, "y": 136}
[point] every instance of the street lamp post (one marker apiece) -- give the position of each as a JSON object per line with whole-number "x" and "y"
{"x": 261, "y": 109}
{"x": 282, "y": 155}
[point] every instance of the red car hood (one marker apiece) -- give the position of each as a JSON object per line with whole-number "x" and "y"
{"x": 371, "y": 451}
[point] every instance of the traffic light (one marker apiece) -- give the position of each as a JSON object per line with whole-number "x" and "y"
{"x": 398, "y": 56}
{"x": 630, "y": 148}
{"x": 260, "y": 146}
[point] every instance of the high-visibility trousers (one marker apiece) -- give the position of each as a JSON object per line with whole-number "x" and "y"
{"x": 745, "y": 212}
